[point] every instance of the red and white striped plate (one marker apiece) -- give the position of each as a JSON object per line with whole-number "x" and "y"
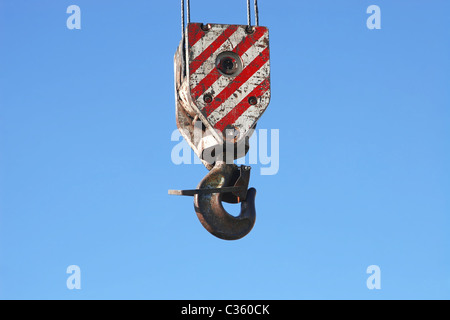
{"x": 229, "y": 101}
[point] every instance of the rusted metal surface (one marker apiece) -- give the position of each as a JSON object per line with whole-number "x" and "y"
{"x": 227, "y": 86}
{"x": 210, "y": 210}
{"x": 230, "y": 65}
{"x": 222, "y": 88}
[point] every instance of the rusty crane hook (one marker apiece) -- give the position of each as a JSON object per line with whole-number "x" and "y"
{"x": 209, "y": 208}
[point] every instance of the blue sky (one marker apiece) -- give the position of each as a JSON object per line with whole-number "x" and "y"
{"x": 86, "y": 118}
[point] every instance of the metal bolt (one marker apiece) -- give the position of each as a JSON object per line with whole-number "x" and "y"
{"x": 249, "y": 30}
{"x": 228, "y": 64}
{"x": 252, "y": 100}
{"x": 206, "y": 27}
{"x": 207, "y": 98}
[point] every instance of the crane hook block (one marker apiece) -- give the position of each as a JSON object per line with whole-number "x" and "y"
{"x": 222, "y": 87}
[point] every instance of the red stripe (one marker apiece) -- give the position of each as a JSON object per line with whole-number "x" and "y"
{"x": 214, "y": 75}
{"x": 195, "y": 33}
{"x": 249, "y": 41}
{"x": 206, "y": 82}
{"x": 237, "y": 111}
{"x": 246, "y": 74}
{"x": 198, "y": 61}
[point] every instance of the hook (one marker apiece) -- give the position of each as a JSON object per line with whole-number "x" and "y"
{"x": 210, "y": 210}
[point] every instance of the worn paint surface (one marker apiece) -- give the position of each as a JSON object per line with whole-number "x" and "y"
{"x": 238, "y": 101}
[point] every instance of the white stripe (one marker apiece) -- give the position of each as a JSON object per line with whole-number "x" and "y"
{"x": 206, "y": 40}
{"x": 240, "y": 94}
{"x": 247, "y": 58}
{"x": 223, "y": 82}
{"x": 252, "y": 114}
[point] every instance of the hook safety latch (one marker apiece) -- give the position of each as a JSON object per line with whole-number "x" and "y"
{"x": 241, "y": 178}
